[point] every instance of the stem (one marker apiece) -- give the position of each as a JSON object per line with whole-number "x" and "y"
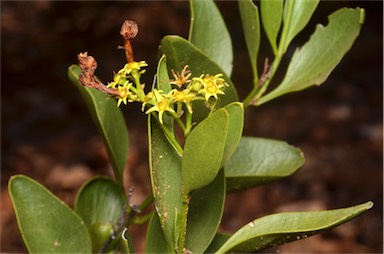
{"x": 188, "y": 123}
{"x": 147, "y": 202}
{"x": 261, "y": 87}
{"x": 141, "y": 219}
{"x": 171, "y": 138}
{"x": 183, "y": 225}
{"x": 266, "y": 80}
{"x": 129, "y": 31}
{"x": 133, "y": 89}
{"x": 263, "y": 83}
{"x": 139, "y": 88}
{"x": 178, "y": 120}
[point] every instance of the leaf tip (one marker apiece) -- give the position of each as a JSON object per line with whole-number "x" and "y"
{"x": 369, "y": 205}
{"x": 362, "y": 15}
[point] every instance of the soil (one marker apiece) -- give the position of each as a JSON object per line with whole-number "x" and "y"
{"x": 47, "y": 133}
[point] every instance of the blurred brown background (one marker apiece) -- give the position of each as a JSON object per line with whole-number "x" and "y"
{"x": 48, "y": 134}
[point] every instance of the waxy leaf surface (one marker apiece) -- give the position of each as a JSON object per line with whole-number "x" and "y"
{"x": 203, "y": 151}
{"x": 258, "y": 160}
{"x": 205, "y": 212}
{"x": 235, "y": 128}
{"x": 208, "y": 32}
{"x": 46, "y": 223}
{"x": 312, "y": 63}
{"x": 296, "y": 16}
{"x": 165, "y": 166}
{"x": 271, "y": 17}
{"x": 109, "y": 120}
{"x": 249, "y": 15}
{"x": 155, "y": 241}
{"x": 217, "y": 242}
{"x": 180, "y": 52}
{"x": 100, "y": 203}
{"x": 280, "y": 228}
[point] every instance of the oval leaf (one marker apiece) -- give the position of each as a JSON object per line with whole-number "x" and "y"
{"x": 217, "y": 242}
{"x": 109, "y": 120}
{"x": 208, "y": 32}
{"x": 165, "y": 167}
{"x": 312, "y": 64}
{"x": 249, "y": 15}
{"x": 235, "y": 128}
{"x": 162, "y": 75}
{"x": 204, "y": 215}
{"x": 155, "y": 241}
{"x": 203, "y": 151}
{"x": 164, "y": 85}
{"x": 180, "y": 52}
{"x": 271, "y": 15}
{"x": 46, "y": 223}
{"x": 282, "y": 228}
{"x": 257, "y": 161}
{"x": 296, "y": 16}
{"x": 100, "y": 203}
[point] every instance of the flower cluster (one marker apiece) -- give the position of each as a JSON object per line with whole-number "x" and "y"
{"x": 179, "y": 99}
{"x": 124, "y": 81}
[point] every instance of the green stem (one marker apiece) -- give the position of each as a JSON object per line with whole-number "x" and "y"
{"x": 171, "y": 138}
{"x": 188, "y": 123}
{"x": 260, "y": 89}
{"x": 178, "y": 120}
{"x": 133, "y": 89}
{"x": 147, "y": 202}
{"x": 139, "y": 220}
{"x": 183, "y": 225}
{"x": 139, "y": 89}
{"x": 257, "y": 90}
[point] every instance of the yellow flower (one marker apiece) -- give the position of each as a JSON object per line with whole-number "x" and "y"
{"x": 211, "y": 85}
{"x": 149, "y": 98}
{"x": 133, "y": 67}
{"x": 185, "y": 96}
{"x": 162, "y": 104}
{"x": 124, "y": 93}
{"x": 118, "y": 79}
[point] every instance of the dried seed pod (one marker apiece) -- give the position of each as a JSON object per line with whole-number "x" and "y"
{"x": 129, "y": 30}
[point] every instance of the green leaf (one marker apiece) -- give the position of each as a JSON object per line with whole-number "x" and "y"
{"x": 162, "y": 75}
{"x": 217, "y": 242}
{"x": 235, "y": 128}
{"x": 312, "y": 64}
{"x": 296, "y": 16}
{"x": 180, "y": 52}
{"x": 164, "y": 85}
{"x": 208, "y": 32}
{"x": 46, "y": 223}
{"x": 100, "y": 203}
{"x": 109, "y": 120}
{"x": 205, "y": 212}
{"x": 155, "y": 241}
{"x": 249, "y": 15}
{"x": 276, "y": 229}
{"x": 203, "y": 151}
{"x": 271, "y": 16}
{"x": 257, "y": 161}
{"x": 165, "y": 167}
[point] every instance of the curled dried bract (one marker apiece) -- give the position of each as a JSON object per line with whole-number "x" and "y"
{"x": 88, "y": 66}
